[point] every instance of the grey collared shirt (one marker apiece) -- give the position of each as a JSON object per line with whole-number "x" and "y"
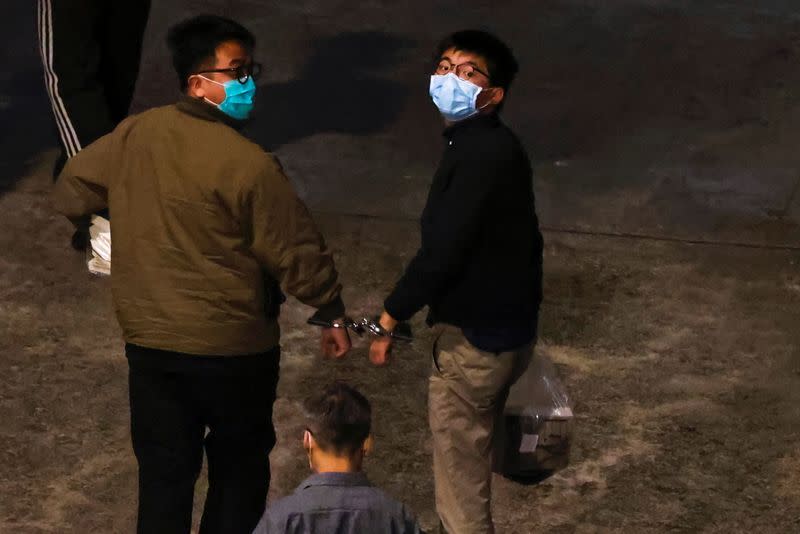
{"x": 341, "y": 503}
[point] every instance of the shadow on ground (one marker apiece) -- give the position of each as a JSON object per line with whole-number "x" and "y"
{"x": 340, "y": 89}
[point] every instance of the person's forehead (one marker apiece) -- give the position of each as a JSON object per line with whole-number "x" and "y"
{"x": 231, "y": 53}
{"x": 461, "y": 56}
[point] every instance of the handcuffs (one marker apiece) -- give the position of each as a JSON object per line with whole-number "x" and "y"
{"x": 402, "y": 332}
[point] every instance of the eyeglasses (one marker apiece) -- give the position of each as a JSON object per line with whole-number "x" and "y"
{"x": 241, "y": 73}
{"x": 465, "y": 71}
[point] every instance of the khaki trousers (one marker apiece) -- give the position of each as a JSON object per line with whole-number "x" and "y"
{"x": 467, "y": 393}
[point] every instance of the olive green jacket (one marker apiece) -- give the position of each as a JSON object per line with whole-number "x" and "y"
{"x": 205, "y": 226}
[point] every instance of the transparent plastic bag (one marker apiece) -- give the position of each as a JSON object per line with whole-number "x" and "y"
{"x": 536, "y": 434}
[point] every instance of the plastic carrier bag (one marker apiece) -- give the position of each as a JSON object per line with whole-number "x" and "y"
{"x": 537, "y": 424}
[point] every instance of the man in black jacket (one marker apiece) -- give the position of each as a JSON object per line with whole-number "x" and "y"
{"x": 478, "y": 269}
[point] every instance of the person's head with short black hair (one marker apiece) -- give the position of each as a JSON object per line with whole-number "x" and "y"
{"x": 213, "y": 58}
{"x": 482, "y": 59}
{"x": 499, "y": 59}
{"x": 193, "y": 43}
{"x": 338, "y": 423}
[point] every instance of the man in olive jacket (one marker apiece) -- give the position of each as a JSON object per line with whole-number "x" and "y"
{"x": 207, "y": 230}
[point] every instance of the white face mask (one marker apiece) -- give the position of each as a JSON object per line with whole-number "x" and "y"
{"x": 455, "y": 98}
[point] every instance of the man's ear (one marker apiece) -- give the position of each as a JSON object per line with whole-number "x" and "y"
{"x": 195, "y": 87}
{"x": 495, "y": 96}
{"x": 498, "y": 94}
{"x": 368, "y": 445}
{"x": 490, "y": 97}
{"x": 308, "y": 441}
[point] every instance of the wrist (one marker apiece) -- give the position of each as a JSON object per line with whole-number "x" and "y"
{"x": 331, "y": 310}
{"x": 387, "y": 322}
{"x": 346, "y": 324}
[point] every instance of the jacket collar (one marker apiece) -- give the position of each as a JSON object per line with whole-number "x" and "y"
{"x": 335, "y": 479}
{"x": 478, "y": 121}
{"x": 201, "y": 109}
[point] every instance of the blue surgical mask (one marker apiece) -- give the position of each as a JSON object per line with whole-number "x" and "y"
{"x": 454, "y": 97}
{"x": 238, "y": 101}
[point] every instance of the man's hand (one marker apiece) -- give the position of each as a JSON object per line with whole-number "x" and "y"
{"x": 380, "y": 350}
{"x": 80, "y": 239}
{"x": 335, "y": 342}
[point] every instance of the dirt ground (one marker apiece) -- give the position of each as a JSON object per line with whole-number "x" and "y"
{"x": 644, "y": 117}
{"x": 682, "y": 362}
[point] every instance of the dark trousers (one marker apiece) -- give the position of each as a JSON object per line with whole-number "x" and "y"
{"x": 181, "y": 404}
{"x": 90, "y": 53}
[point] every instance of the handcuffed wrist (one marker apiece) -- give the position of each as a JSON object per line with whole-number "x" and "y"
{"x": 331, "y": 311}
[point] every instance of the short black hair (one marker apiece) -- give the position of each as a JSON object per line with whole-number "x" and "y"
{"x": 194, "y": 42}
{"x": 503, "y": 66}
{"x": 339, "y": 418}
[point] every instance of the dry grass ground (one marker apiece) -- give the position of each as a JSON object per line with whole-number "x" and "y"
{"x": 683, "y": 362}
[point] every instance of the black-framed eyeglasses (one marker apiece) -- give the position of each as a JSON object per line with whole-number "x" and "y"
{"x": 465, "y": 71}
{"x": 241, "y": 73}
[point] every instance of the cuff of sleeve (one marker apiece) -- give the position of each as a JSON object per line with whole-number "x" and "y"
{"x": 395, "y": 309}
{"x": 331, "y": 311}
{"x": 81, "y": 223}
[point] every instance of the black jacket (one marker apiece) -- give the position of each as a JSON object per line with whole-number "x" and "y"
{"x": 479, "y": 265}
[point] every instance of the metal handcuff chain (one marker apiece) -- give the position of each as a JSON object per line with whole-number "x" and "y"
{"x": 402, "y": 331}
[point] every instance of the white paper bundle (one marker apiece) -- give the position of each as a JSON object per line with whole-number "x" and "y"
{"x": 99, "y": 261}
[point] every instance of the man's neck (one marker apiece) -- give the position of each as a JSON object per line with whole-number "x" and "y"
{"x": 325, "y": 463}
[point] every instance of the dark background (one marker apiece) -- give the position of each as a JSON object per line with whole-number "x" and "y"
{"x": 666, "y": 118}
